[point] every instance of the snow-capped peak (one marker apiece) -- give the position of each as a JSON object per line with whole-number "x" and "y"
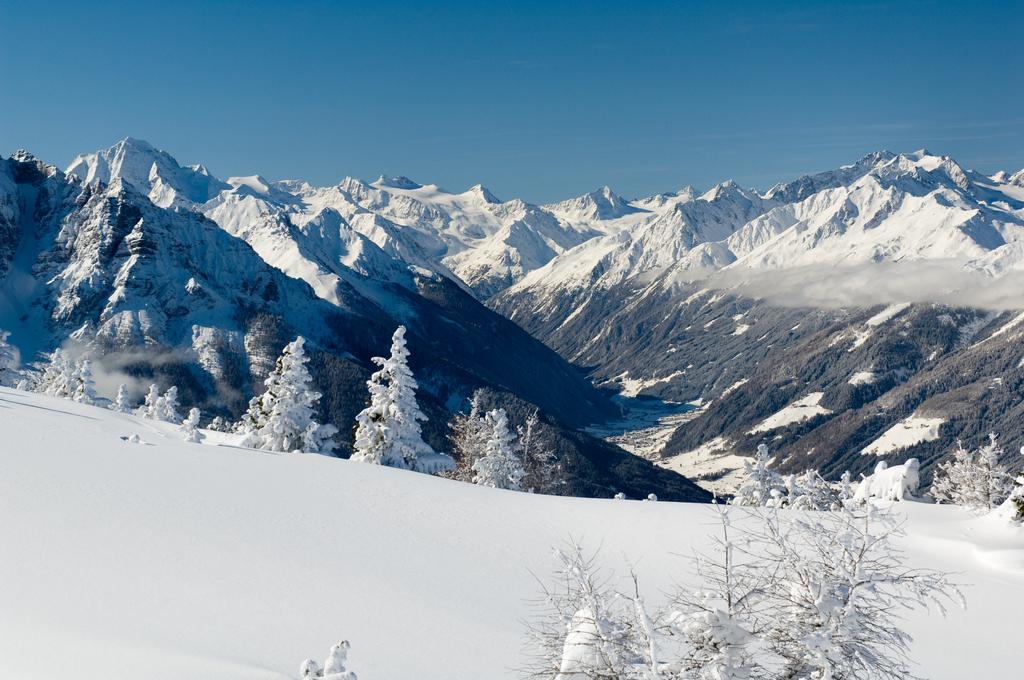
{"x": 257, "y": 183}
{"x": 600, "y": 204}
{"x": 728, "y": 188}
{"x": 150, "y": 171}
{"x": 396, "y": 182}
{"x": 481, "y": 193}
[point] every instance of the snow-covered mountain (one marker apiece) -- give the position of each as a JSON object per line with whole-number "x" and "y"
{"x": 653, "y": 295}
{"x": 472, "y": 237}
{"x": 166, "y": 295}
{"x": 884, "y": 208}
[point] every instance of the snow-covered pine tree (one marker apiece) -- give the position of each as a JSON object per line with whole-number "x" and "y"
{"x": 468, "y": 435}
{"x": 500, "y": 467}
{"x": 151, "y": 407}
{"x": 281, "y": 419}
{"x": 85, "y": 386}
{"x": 973, "y": 479}
{"x": 543, "y": 472}
{"x": 167, "y": 406}
{"x": 189, "y": 427}
{"x": 122, "y": 402}
{"x": 759, "y": 482}
{"x": 9, "y": 374}
{"x": 58, "y": 376}
{"x": 388, "y": 429}
{"x": 1012, "y": 508}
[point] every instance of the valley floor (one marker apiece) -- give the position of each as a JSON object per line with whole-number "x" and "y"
{"x": 164, "y": 559}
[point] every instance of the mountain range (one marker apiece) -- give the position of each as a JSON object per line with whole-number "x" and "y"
{"x": 863, "y": 298}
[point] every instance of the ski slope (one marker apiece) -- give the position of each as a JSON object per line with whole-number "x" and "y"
{"x": 168, "y": 560}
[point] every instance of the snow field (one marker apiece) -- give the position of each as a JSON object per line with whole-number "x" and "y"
{"x": 176, "y": 560}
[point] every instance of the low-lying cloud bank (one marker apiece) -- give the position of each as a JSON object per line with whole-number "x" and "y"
{"x": 833, "y": 286}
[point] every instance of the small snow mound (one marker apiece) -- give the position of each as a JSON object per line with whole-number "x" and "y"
{"x": 896, "y": 483}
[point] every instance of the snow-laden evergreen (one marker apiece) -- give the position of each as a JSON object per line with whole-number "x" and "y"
{"x": 122, "y": 402}
{"x": 543, "y": 473}
{"x": 760, "y": 485}
{"x": 160, "y": 406}
{"x": 58, "y": 377}
{"x": 468, "y": 435}
{"x": 9, "y": 361}
{"x": 189, "y": 427}
{"x": 281, "y": 418}
{"x": 501, "y": 466}
{"x": 974, "y": 479}
{"x": 151, "y": 404}
{"x": 85, "y": 386}
{"x": 388, "y": 429}
{"x": 167, "y": 406}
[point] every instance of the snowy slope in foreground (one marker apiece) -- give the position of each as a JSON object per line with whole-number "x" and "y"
{"x": 171, "y": 560}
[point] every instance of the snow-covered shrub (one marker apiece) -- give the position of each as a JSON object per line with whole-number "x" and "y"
{"x": 334, "y": 665}
{"x": 189, "y": 427}
{"x": 818, "y": 596}
{"x": 810, "y": 491}
{"x": 716, "y": 618}
{"x": 831, "y": 589}
{"x": 758, "y": 481}
{"x": 388, "y": 429}
{"x": 122, "y": 402}
{"x": 845, "y": 488}
{"x": 281, "y": 419}
{"x": 895, "y": 483}
{"x": 219, "y": 424}
{"x": 587, "y": 630}
{"x": 500, "y": 466}
{"x": 973, "y": 479}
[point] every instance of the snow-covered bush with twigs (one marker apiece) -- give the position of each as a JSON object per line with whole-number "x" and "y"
{"x": 813, "y": 596}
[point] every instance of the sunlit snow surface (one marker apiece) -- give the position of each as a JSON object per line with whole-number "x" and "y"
{"x": 908, "y": 432}
{"x": 799, "y": 411}
{"x": 168, "y": 560}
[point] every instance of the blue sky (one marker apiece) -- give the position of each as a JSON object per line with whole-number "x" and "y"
{"x": 541, "y": 100}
